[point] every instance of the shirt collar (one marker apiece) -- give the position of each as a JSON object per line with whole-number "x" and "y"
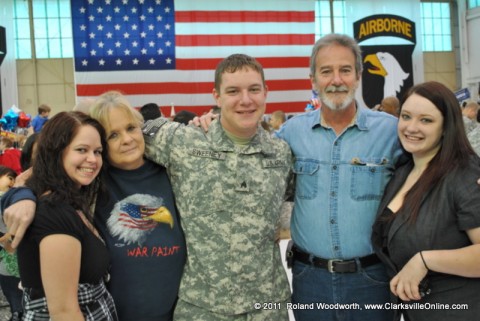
{"x": 360, "y": 118}
{"x": 221, "y": 142}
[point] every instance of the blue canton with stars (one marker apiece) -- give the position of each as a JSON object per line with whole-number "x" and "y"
{"x": 132, "y": 210}
{"x": 123, "y": 34}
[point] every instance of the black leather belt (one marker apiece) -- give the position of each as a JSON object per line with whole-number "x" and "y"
{"x": 334, "y": 265}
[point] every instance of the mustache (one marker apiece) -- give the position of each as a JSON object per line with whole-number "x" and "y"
{"x": 332, "y": 89}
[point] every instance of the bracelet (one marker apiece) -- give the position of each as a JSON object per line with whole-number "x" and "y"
{"x": 423, "y": 260}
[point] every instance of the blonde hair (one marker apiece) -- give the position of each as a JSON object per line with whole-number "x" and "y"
{"x": 112, "y": 100}
{"x": 8, "y": 142}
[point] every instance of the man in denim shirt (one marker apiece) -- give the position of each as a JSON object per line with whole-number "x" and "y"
{"x": 344, "y": 157}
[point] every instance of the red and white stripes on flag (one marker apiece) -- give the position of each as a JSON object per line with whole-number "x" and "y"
{"x": 279, "y": 33}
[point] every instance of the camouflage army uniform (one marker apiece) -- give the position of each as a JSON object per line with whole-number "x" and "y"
{"x": 470, "y": 124}
{"x": 229, "y": 199}
{"x": 474, "y": 138}
{"x": 472, "y": 128}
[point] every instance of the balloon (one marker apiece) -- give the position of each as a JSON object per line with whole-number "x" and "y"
{"x": 11, "y": 119}
{"x": 23, "y": 120}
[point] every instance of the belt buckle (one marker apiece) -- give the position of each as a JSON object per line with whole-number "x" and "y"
{"x": 330, "y": 265}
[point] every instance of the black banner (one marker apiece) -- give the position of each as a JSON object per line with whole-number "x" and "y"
{"x": 3, "y": 44}
{"x": 3, "y": 53}
{"x": 387, "y": 69}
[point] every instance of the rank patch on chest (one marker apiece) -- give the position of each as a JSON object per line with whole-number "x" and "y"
{"x": 242, "y": 186}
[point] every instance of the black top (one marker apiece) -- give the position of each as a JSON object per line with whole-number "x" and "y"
{"x": 60, "y": 218}
{"x": 446, "y": 213}
{"x": 384, "y": 223}
{"x": 147, "y": 255}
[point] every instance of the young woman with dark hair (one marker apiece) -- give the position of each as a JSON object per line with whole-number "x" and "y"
{"x": 428, "y": 227}
{"x": 62, "y": 258}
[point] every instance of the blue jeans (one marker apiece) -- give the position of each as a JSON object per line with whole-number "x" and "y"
{"x": 318, "y": 294}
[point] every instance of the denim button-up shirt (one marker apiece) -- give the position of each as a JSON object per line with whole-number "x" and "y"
{"x": 339, "y": 180}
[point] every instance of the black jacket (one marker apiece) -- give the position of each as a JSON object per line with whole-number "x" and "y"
{"x": 446, "y": 213}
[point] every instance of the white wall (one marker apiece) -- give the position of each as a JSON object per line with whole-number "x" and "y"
{"x": 469, "y": 21}
{"x": 8, "y": 70}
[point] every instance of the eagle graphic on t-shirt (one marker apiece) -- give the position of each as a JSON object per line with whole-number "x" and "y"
{"x": 134, "y": 217}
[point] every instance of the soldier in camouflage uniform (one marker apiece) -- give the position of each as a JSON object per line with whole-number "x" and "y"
{"x": 472, "y": 127}
{"x": 229, "y": 185}
{"x": 474, "y": 138}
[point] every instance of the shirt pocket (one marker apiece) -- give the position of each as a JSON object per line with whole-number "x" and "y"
{"x": 306, "y": 171}
{"x": 368, "y": 178}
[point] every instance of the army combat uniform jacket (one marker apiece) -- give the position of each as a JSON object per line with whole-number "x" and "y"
{"x": 229, "y": 200}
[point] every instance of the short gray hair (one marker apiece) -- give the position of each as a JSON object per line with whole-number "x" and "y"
{"x": 339, "y": 39}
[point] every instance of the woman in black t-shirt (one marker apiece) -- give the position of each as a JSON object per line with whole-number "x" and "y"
{"x": 62, "y": 258}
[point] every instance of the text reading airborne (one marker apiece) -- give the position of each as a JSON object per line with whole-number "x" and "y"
{"x": 380, "y": 25}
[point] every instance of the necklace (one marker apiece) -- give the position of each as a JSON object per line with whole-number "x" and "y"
{"x": 90, "y": 226}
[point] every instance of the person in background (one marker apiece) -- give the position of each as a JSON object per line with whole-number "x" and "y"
{"x": 474, "y": 138}
{"x": 83, "y": 105}
{"x": 215, "y": 110}
{"x": 277, "y": 119}
{"x": 42, "y": 117}
{"x": 345, "y": 155}
{"x": 10, "y": 278}
{"x": 62, "y": 258}
{"x": 28, "y": 151}
{"x": 469, "y": 113}
{"x": 26, "y": 159}
{"x": 265, "y": 125}
{"x": 150, "y": 111}
{"x": 7, "y": 179}
{"x": 230, "y": 184}
{"x": 184, "y": 117}
{"x": 9, "y": 274}
{"x": 9, "y": 155}
{"x": 427, "y": 231}
{"x": 470, "y": 110}
{"x": 390, "y": 105}
{"x": 20, "y": 141}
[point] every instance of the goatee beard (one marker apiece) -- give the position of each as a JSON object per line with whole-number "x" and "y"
{"x": 330, "y": 104}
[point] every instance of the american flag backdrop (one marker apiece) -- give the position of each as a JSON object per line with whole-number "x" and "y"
{"x": 166, "y": 51}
